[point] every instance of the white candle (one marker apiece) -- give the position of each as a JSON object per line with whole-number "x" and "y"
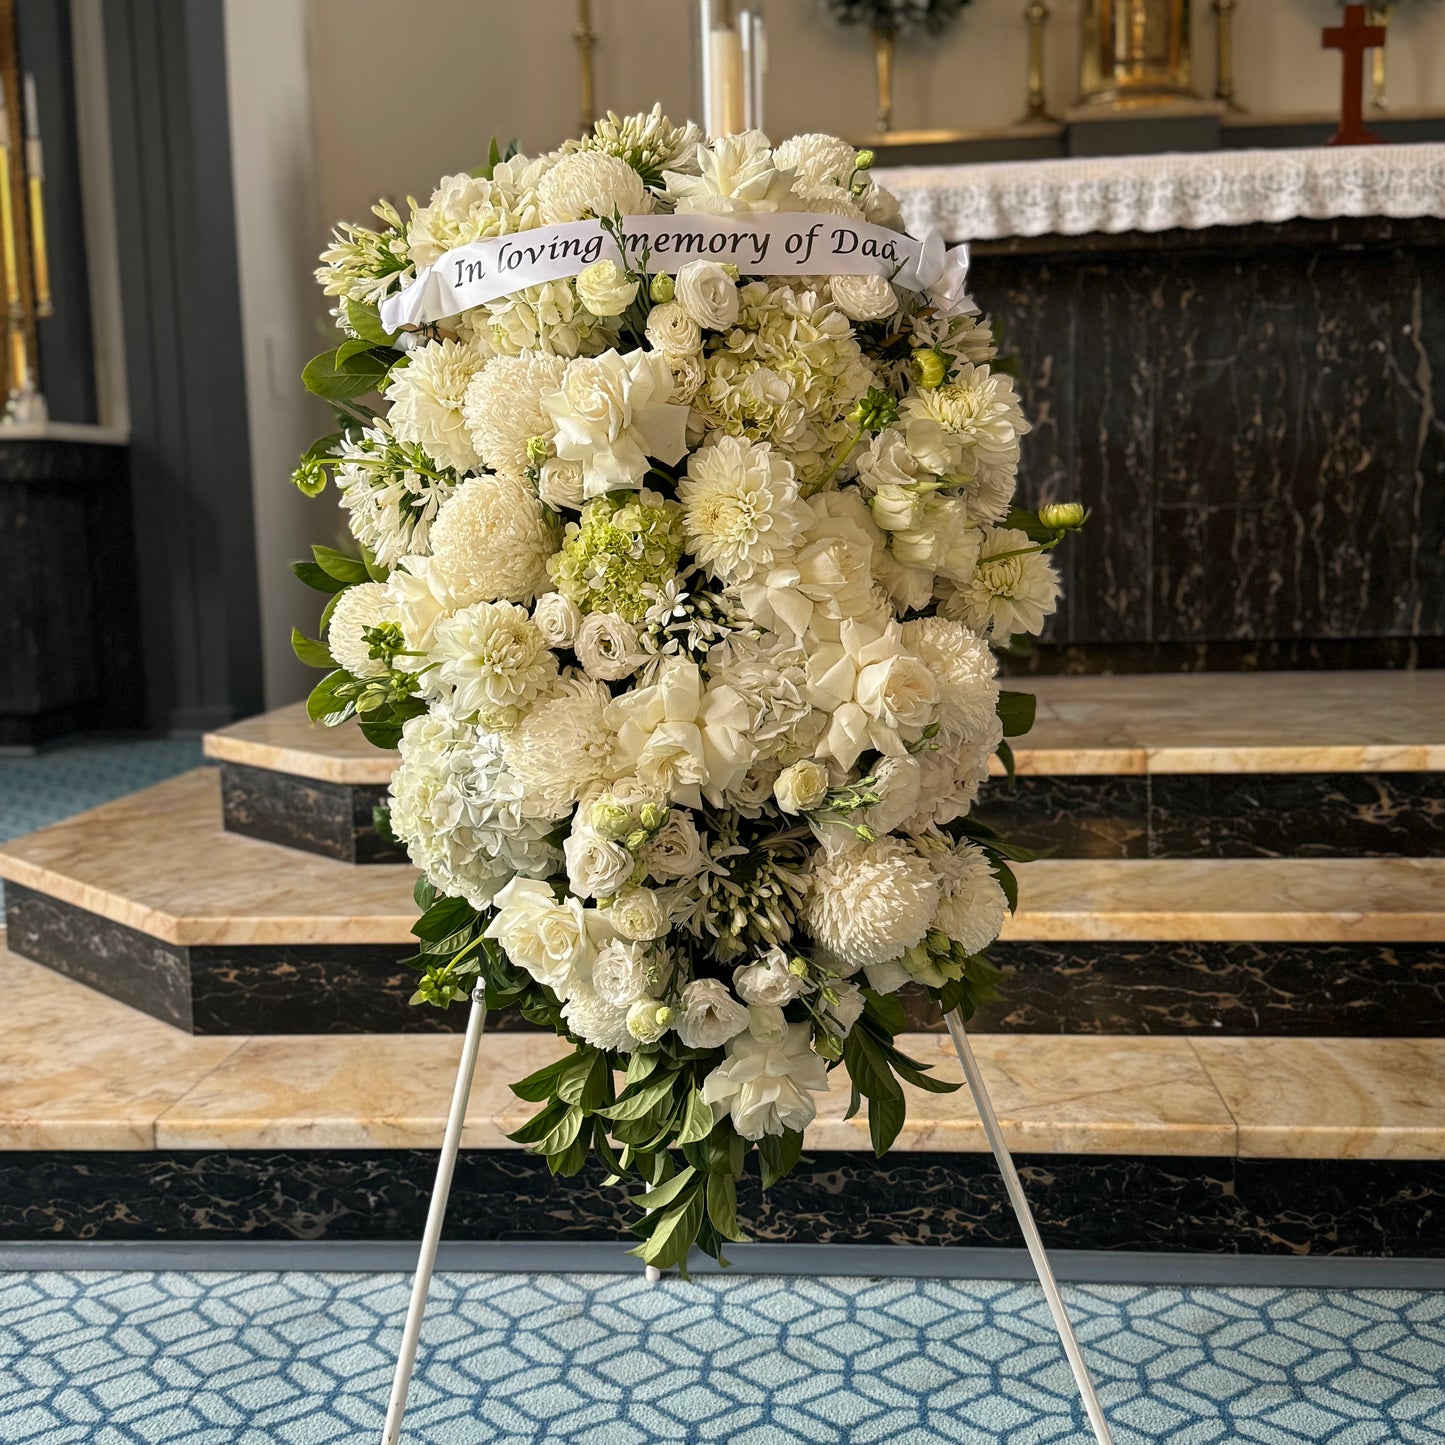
{"x": 726, "y": 83}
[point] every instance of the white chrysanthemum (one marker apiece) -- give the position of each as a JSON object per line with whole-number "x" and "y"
{"x": 495, "y": 659}
{"x": 736, "y": 173}
{"x": 368, "y": 604}
{"x": 427, "y": 396}
{"x": 868, "y": 905}
{"x": 563, "y": 745}
{"x": 1012, "y": 589}
{"x": 597, "y": 1022}
{"x": 965, "y": 668}
{"x": 503, "y": 412}
{"x": 741, "y": 507}
{"x": 548, "y": 317}
{"x": 585, "y": 184}
{"x": 968, "y": 432}
{"x": 492, "y": 542}
{"x": 467, "y": 208}
{"x": 768, "y": 1087}
{"x": 972, "y": 907}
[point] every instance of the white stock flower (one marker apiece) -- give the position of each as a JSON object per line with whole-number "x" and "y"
{"x": 595, "y": 867}
{"x": 428, "y": 397}
{"x": 801, "y": 786}
{"x": 675, "y": 850}
{"x": 502, "y": 409}
{"x": 597, "y": 1022}
{"x": 605, "y": 289}
{"x": 492, "y": 542}
{"x": 557, "y": 618}
{"x": 964, "y": 667}
{"x": 591, "y": 183}
{"x": 973, "y": 906}
{"x": 368, "y": 604}
{"x": 1006, "y": 594}
{"x": 741, "y": 509}
{"x": 710, "y": 1015}
{"x": 672, "y": 331}
{"x": 544, "y": 935}
{"x": 769, "y": 981}
{"x": 612, "y": 413}
{"x": 736, "y": 173}
{"x": 637, "y": 914}
{"x": 619, "y": 972}
{"x": 707, "y": 294}
{"x": 864, "y": 298}
{"x": 682, "y": 738}
{"x": 868, "y": 905}
{"x": 767, "y": 1087}
{"x": 607, "y": 647}
{"x": 563, "y": 746}
{"x": 495, "y": 659}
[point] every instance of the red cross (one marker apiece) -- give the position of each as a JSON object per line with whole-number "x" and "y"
{"x": 1354, "y": 37}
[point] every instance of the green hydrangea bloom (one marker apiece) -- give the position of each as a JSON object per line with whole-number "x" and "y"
{"x": 622, "y": 544}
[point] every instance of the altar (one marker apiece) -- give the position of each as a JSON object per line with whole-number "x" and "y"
{"x": 1244, "y": 514}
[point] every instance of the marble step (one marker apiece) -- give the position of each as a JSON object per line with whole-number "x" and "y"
{"x": 1174, "y": 766}
{"x": 113, "y": 1125}
{"x": 151, "y": 900}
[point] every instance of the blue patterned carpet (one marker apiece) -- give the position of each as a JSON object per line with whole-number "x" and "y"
{"x": 292, "y": 1359}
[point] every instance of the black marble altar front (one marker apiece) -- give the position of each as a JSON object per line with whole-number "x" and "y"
{"x": 336, "y": 820}
{"x": 1256, "y": 417}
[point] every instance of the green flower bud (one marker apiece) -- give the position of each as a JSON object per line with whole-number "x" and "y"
{"x": 828, "y": 1046}
{"x": 653, "y": 816}
{"x": 537, "y": 449}
{"x": 610, "y": 820}
{"x": 876, "y": 411}
{"x": 648, "y": 1019}
{"x": 662, "y": 288}
{"x": 864, "y": 160}
{"x": 929, "y": 366}
{"x": 798, "y": 967}
{"x": 1063, "y": 516}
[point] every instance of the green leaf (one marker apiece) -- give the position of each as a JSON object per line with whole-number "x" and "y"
{"x": 311, "y": 652}
{"x": 661, "y": 1195}
{"x": 697, "y": 1120}
{"x": 868, "y": 1067}
{"x": 383, "y": 735}
{"x": 676, "y": 1232}
{"x": 365, "y": 321}
{"x": 352, "y": 347}
{"x": 543, "y": 1084}
{"x": 314, "y": 577}
{"x": 424, "y": 892}
{"x": 1016, "y": 711}
{"x": 778, "y": 1153}
{"x": 1006, "y": 757}
{"x": 640, "y": 1066}
{"x": 563, "y": 1133}
{"x": 445, "y": 917}
{"x": 1027, "y": 522}
{"x": 573, "y": 1159}
{"x": 885, "y": 1120}
{"x": 324, "y": 376}
{"x": 1008, "y": 883}
{"x": 324, "y": 705}
{"x": 540, "y": 1125}
{"x": 912, "y": 1072}
{"x": 722, "y": 1205}
{"x": 638, "y": 1103}
{"x": 346, "y": 570}
{"x": 888, "y": 1009}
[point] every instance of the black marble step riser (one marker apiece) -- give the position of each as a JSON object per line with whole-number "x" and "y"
{"x": 1222, "y": 815}
{"x": 332, "y": 819}
{"x": 1343, "y": 1208}
{"x": 1364, "y": 990}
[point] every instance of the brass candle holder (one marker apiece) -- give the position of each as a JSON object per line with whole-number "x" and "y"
{"x": 1378, "y": 14}
{"x": 1036, "y": 13}
{"x": 586, "y": 38}
{"x": 24, "y": 405}
{"x": 1224, "y": 54}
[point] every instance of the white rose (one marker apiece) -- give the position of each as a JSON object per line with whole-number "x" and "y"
{"x": 708, "y": 294}
{"x": 769, "y": 981}
{"x": 648, "y": 1019}
{"x": 897, "y": 509}
{"x": 898, "y": 691}
{"x": 864, "y": 298}
{"x": 801, "y": 787}
{"x": 595, "y": 867}
{"x": 560, "y": 484}
{"x": 767, "y": 1087}
{"x": 672, "y": 331}
{"x": 635, "y": 913}
{"x": 548, "y": 938}
{"x": 619, "y": 972}
{"x": 604, "y": 289}
{"x": 710, "y": 1015}
{"x": 676, "y": 849}
{"x": 557, "y": 618}
{"x": 607, "y": 647}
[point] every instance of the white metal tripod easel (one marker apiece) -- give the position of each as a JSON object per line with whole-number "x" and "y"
{"x": 436, "y": 1213}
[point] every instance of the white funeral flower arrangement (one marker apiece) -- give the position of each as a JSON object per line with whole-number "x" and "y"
{"x": 679, "y": 589}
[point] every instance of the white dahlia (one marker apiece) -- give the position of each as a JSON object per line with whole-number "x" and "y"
{"x": 368, "y": 604}
{"x": 427, "y": 397}
{"x": 503, "y": 412}
{"x": 563, "y": 745}
{"x": 1012, "y": 589}
{"x": 869, "y": 905}
{"x": 495, "y": 659}
{"x": 492, "y": 541}
{"x": 768, "y": 1087}
{"x": 741, "y": 507}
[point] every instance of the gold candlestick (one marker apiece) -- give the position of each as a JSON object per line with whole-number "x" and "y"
{"x": 35, "y": 183}
{"x": 14, "y": 307}
{"x": 1378, "y": 14}
{"x": 1224, "y": 53}
{"x": 1037, "y": 15}
{"x": 586, "y": 38}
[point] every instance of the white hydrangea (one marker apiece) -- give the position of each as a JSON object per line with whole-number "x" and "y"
{"x": 563, "y": 746}
{"x": 502, "y": 410}
{"x": 741, "y": 507}
{"x": 547, "y": 317}
{"x": 868, "y": 905}
{"x": 495, "y": 660}
{"x": 427, "y": 397}
{"x": 368, "y": 604}
{"x": 492, "y": 542}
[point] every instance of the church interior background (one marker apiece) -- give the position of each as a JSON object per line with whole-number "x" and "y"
{"x": 1220, "y": 1035}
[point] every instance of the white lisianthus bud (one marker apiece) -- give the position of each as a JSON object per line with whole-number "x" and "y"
{"x": 605, "y": 289}
{"x": 610, "y": 819}
{"x": 648, "y": 1019}
{"x": 766, "y": 1023}
{"x": 636, "y": 914}
{"x": 848, "y": 1008}
{"x": 607, "y": 646}
{"x": 557, "y": 618}
{"x": 769, "y": 981}
{"x": 660, "y": 288}
{"x": 1062, "y": 516}
{"x": 708, "y": 294}
{"x": 710, "y": 1015}
{"x": 801, "y": 787}
{"x": 672, "y": 331}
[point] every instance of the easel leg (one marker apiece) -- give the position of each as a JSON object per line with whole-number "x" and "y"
{"x": 1020, "y": 1203}
{"x": 436, "y": 1214}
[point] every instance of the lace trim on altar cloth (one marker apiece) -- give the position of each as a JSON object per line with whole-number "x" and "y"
{"x": 1160, "y": 192}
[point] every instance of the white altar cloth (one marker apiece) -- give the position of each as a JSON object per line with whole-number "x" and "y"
{"x": 1159, "y": 192}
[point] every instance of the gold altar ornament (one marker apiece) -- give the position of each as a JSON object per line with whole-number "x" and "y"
{"x": 586, "y": 38}
{"x": 1135, "y": 54}
{"x": 1036, "y": 111}
{"x": 1224, "y": 54}
{"x": 1380, "y": 15}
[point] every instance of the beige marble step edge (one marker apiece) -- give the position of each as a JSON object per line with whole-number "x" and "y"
{"x": 1284, "y": 722}
{"x": 80, "y": 1071}
{"x": 160, "y": 861}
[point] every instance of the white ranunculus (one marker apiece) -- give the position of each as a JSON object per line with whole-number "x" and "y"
{"x": 769, "y": 980}
{"x": 368, "y": 604}
{"x": 557, "y": 618}
{"x": 741, "y": 508}
{"x": 636, "y": 914}
{"x": 595, "y": 867}
{"x": 801, "y": 786}
{"x": 710, "y": 1015}
{"x": 605, "y": 289}
{"x": 675, "y": 850}
{"x": 672, "y": 331}
{"x": 491, "y": 542}
{"x": 612, "y": 414}
{"x": 619, "y": 972}
{"x": 864, "y": 298}
{"x": 607, "y": 646}
{"x": 707, "y": 294}
{"x": 767, "y": 1087}
{"x": 547, "y": 937}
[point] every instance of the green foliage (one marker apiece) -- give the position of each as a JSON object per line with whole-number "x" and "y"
{"x": 1016, "y": 712}
{"x": 355, "y": 368}
{"x": 311, "y": 652}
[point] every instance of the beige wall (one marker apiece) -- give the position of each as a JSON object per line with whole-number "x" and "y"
{"x": 405, "y": 93}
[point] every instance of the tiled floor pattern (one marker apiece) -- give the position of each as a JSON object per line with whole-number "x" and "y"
{"x": 299, "y": 1359}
